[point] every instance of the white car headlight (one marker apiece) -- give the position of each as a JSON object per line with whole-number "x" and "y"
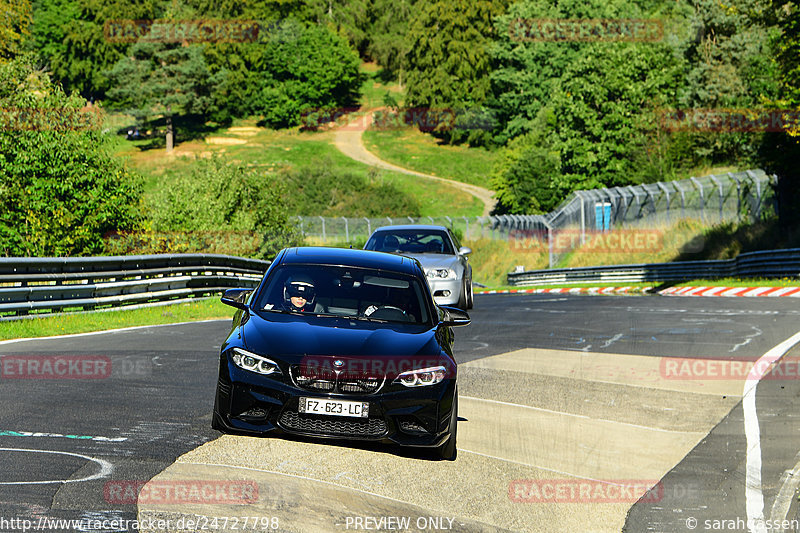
{"x": 441, "y": 273}
{"x": 254, "y": 362}
{"x": 422, "y": 377}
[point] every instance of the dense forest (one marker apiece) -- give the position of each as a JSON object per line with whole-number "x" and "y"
{"x": 573, "y": 94}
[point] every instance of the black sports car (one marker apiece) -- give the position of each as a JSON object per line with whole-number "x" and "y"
{"x": 344, "y": 344}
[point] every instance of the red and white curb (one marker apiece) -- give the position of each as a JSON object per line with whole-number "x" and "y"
{"x": 671, "y": 291}
{"x": 573, "y": 290}
{"x": 793, "y": 292}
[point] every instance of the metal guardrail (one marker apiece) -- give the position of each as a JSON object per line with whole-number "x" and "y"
{"x": 38, "y": 285}
{"x": 766, "y": 264}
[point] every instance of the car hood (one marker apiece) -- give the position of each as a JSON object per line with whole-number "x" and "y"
{"x": 429, "y": 261}
{"x": 291, "y": 335}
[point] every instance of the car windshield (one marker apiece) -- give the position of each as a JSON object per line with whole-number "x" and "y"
{"x": 411, "y": 242}
{"x": 357, "y": 293}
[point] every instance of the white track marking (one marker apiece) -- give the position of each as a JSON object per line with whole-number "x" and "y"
{"x": 754, "y": 503}
{"x": 553, "y": 470}
{"x": 783, "y": 501}
{"x": 747, "y": 340}
{"x": 540, "y": 409}
{"x": 103, "y": 332}
{"x": 612, "y": 340}
{"x": 105, "y": 468}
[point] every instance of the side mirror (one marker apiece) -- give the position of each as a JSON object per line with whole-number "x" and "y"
{"x": 236, "y": 297}
{"x": 464, "y": 250}
{"x": 453, "y": 316}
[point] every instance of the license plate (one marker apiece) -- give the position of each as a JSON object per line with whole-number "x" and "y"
{"x": 320, "y": 406}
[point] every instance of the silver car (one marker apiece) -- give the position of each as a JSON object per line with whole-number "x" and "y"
{"x": 442, "y": 257}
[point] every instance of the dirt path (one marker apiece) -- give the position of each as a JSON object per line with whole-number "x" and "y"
{"x": 348, "y": 140}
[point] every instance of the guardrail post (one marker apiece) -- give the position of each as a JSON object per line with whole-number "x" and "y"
{"x": 449, "y": 222}
{"x": 752, "y": 176}
{"x": 721, "y": 196}
{"x": 666, "y": 191}
{"x": 369, "y": 227}
{"x": 323, "y": 227}
{"x": 683, "y": 199}
{"x": 466, "y": 229}
{"x": 733, "y": 176}
{"x": 583, "y": 220}
{"x": 550, "y": 258}
{"x": 702, "y": 198}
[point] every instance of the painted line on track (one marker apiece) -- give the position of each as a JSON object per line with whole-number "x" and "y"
{"x": 746, "y": 292}
{"x": 104, "y": 331}
{"x": 574, "y": 415}
{"x": 571, "y": 290}
{"x": 105, "y": 468}
{"x": 754, "y": 502}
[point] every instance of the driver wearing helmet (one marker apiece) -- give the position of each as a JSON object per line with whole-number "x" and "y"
{"x": 299, "y": 294}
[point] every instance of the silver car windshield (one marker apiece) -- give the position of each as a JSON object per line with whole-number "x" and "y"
{"x": 411, "y": 242}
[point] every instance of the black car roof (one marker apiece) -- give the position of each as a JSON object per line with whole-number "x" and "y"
{"x": 349, "y": 257}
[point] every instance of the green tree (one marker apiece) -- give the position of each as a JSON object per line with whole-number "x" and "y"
{"x": 527, "y": 172}
{"x": 61, "y": 189}
{"x": 780, "y": 151}
{"x": 222, "y": 197}
{"x": 606, "y": 99}
{"x": 303, "y": 69}
{"x": 389, "y": 40}
{"x": 448, "y": 60}
{"x": 347, "y": 18}
{"x": 75, "y": 45}
{"x": 159, "y": 79}
{"x": 15, "y": 19}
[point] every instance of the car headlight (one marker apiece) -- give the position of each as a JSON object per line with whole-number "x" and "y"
{"x": 441, "y": 273}
{"x": 422, "y": 377}
{"x": 254, "y": 362}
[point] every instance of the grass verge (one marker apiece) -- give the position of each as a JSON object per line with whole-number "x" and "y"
{"x": 410, "y": 148}
{"x": 64, "y": 324}
{"x": 274, "y": 150}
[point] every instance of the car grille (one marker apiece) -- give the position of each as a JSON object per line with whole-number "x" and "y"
{"x": 371, "y": 427}
{"x": 331, "y": 382}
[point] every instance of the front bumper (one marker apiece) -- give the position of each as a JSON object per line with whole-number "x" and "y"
{"x": 258, "y": 405}
{"x": 446, "y": 291}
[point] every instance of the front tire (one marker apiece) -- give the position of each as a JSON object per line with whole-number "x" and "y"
{"x": 470, "y": 296}
{"x": 448, "y": 450}
{"x": 462, "y": 298}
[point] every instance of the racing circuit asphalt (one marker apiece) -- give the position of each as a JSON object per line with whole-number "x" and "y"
{"x": 554, "y": 390}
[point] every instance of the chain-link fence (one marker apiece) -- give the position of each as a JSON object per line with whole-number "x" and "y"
{"x": 748, "y": 195}
{"x": 332, "y": 229}
{"x": 712, "y": 199}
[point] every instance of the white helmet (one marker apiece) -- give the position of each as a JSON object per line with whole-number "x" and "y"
{"x": 300, "y": 286}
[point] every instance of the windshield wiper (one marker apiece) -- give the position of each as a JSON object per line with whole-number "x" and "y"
{"x": 366, "y": 318}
